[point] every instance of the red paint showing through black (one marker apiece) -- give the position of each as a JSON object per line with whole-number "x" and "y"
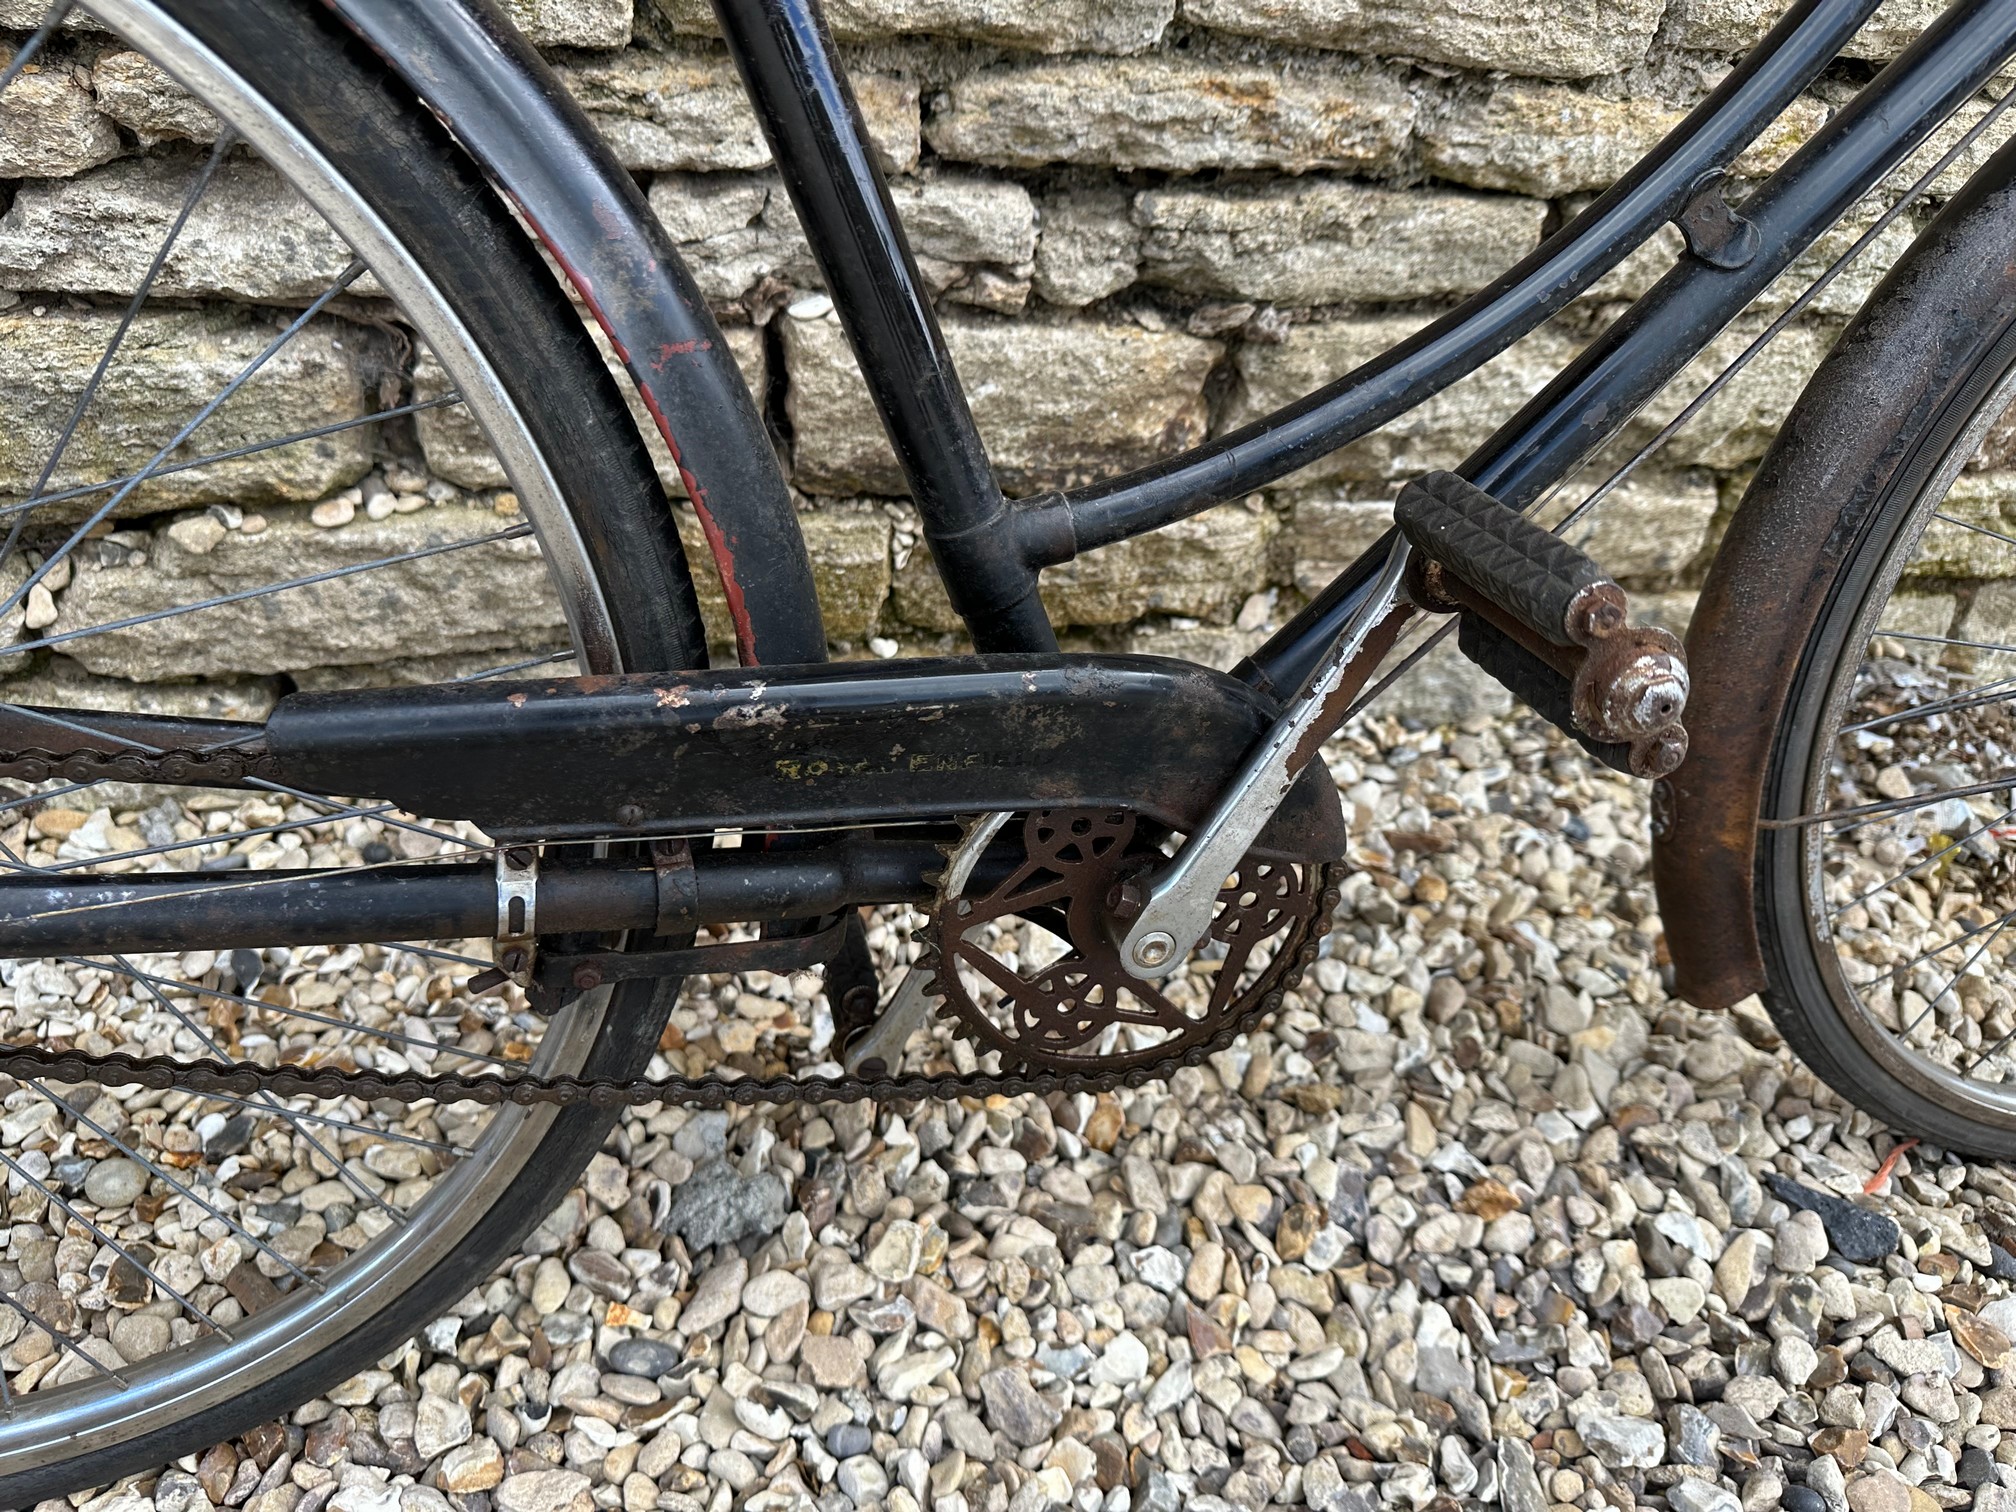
{"x": 513, "y": 116}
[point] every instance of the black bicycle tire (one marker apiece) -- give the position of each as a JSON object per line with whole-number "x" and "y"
{"x": 1797, "y": 995}
{"x": 410, "y": 172}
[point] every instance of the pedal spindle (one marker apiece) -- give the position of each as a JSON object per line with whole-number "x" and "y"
{"x": 1547, "y": 622}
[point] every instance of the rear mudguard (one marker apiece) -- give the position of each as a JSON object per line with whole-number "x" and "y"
{"x": 512, "y": 115}
{"x": 1875, "y": 419}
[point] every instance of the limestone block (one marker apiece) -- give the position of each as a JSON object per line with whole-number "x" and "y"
{"x": 26, "y": 15}
{"x": 1551, "y": 139}
{"x": 1989, "y": 618}
{"x": 1202, "y": 567}
{"x": 1739, "y": 423}
{"x": 1577, "y": 39}
{"x": 140, "y": 97}
{"x": 1437, "y": 434}
{"x": 685, "y": 109}
{"x": 1176, "y": 113}
{"x": 1219, "y": 647}
{"x": 1653, "y": 526}
{"x": 1854, "y": 284}
{"x": 455, "y": 448}
{"x": 1541, "y": 139}
{"x": 1909, "y": 613}
{"x": 1942, "y": 141}
{"x": 736, "y": 229}
{"x": 1327, "y": 241}
{"x": 493, "y": 597}
{"x": 961, "y": 218}
{"x": 1090, "y": 246}
{"x": 572, "y": 23}
{"x": 1056, "y": 402}
{"x": 57, "y": 682}
{"x": 1986, "y": 501}
{"x": 1445, "y": 687}
{"x": 50, "y": 124}
{"x": 250, "y": 236}
{"x": 172, "y": 363}
{"x": 1736, "y": 25}
{"x": 1328, "y": 533}
{"x": 848, "y": 542}
{"x": 1054, "y": 26}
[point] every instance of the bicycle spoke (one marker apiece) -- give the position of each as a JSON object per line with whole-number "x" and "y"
{"x": 209, "y": 1041}
{"x": 1919, "y": 866}
{"x": 546, "y": 660}
{"x": 1785, "y": 317}
{"x": 63, "y": 1341}
{"x": 131, "y": 1153}
{"x": 218, "y": 152}
{"x": 52, "y": 21}
{"x": 308, "y": 1015}
{"x": 108, "y": 1241}
{"x": 1970, "y": 525}
{"x": 243, "y": 595}
{"x": 1976, "y": 698}
{"x": 84, "y": 490}
{"x": 244, "y": 375}
{"x": 1962, "y": 939}
{"x": 1897, "y": 805}
{"x": 1954, "y": 980}
{"x": 1945, "y": 640}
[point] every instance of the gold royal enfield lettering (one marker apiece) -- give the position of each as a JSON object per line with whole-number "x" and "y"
{"x": 812, "y": 768}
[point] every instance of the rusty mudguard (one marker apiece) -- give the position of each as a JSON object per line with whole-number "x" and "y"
{"x": 1874, "y": 420}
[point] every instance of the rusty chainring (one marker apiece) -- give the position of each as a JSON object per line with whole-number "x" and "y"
{"x": 1058, "y": 1016}
{"x": 241, "y": 1079}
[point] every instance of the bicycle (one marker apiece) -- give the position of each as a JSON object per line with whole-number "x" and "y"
{"x": 1100, "y": 910}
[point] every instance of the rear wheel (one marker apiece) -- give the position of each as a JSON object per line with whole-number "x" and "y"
{"x": 178, "y": 1269}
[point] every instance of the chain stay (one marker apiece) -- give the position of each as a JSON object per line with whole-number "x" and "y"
{"x": 240, "y": 1079}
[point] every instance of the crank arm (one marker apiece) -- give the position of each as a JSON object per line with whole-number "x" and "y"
{"x": 1176, "y": 903}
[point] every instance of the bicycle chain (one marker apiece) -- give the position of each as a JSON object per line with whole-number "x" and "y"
{"x": 242, "y": 1079}
{"x": 223, "y": 764}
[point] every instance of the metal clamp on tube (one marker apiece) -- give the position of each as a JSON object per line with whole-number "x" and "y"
{"x": 517, "y": 911}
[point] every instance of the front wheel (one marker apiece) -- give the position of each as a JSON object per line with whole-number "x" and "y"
{"x": 1885, "y": 881}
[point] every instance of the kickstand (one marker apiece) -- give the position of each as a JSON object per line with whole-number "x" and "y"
{"x": 852, "y": 986}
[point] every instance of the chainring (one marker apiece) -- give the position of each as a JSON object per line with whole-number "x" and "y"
{"x": 1081, "y": 1010}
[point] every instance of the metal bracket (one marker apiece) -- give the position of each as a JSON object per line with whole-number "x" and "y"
{"x": 1715, "y": 233}
{"x": 557, "y": 976}
{"x": 517, "y": 911}
{"x": 678, "y": 887}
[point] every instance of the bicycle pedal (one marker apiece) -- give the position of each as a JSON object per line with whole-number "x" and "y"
{"x": 1519, "y": 588}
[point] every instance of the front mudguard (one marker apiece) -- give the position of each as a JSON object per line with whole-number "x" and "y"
{"x": 1871, "y": 427}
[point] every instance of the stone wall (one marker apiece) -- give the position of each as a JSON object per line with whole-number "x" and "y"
{"x": 1145, "y": 222}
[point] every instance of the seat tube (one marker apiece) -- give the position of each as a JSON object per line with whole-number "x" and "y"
{"x": 786, "y": 57}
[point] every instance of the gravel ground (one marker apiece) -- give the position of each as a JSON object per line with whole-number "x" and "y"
{"x": 1484, "y": 1217}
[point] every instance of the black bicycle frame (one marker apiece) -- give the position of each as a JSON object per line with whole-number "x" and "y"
{"x": 493, "y": 90}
